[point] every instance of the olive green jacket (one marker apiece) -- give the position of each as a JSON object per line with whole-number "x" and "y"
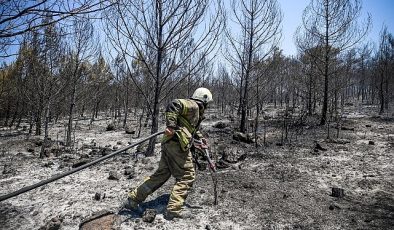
{"x": 184, "y": 115}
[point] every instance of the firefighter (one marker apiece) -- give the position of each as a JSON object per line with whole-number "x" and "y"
{"x": 183, "y": 117}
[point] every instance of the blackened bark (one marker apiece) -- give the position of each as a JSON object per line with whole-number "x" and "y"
{"x": 155, "y": 112}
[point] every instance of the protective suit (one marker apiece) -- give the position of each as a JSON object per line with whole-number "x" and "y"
{"x": 183, "y": 116}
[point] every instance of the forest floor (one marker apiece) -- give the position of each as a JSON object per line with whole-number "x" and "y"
{"x": 278, "y": 186}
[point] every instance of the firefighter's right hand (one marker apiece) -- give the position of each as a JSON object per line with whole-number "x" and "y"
{"x": 205, "y": 142}
{"x": 169, "y": 131}
{"x": 201, "y": 145}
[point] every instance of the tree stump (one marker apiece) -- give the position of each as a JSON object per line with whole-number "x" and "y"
{"x": 102, "y": 220}
{"x": 338, "y": 192}
{"x": 319, "y": 147}
{"x": 97, "y": 196}
{"x": 113, "y": 175}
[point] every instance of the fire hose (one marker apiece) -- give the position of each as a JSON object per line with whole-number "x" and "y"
{"x": 57, "y": 177}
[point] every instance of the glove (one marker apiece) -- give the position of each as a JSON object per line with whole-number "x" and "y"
{"x": 169, "y": 132}
{"x": 203, "y": 144}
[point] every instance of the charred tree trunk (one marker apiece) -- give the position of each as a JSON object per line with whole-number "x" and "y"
{"x": 45, "y": 142}
{"x": 240, "y": 92}
{"x": 15, "y": 115}
{"x": 83, "y": 110}
{"x": 7, "y": 113}
{"x": 140, "y": 122}
{"x": 126, "y": 105}
{"x": 326, "y": 62}
{"x": 70, "y": 116}
{"x": 310, "y": 112}
{"x": 154, "y": 126}
{"x": 160, "y": 50}
{"x": 20, "y": 116}
{"x": 381, "y": 93}
{"x": 386, "y": 102}
{"x": 256, "y": 122}
{"x": 38, "y": 119}
{"x": 247, "y": 75}
{"x": 31, "y": 121}
{"x": 96, "y": 109}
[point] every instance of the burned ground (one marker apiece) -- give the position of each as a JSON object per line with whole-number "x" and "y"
{"x": 277, "y": 186}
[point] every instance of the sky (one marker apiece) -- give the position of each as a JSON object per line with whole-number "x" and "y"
{"x": 382, "y": 12}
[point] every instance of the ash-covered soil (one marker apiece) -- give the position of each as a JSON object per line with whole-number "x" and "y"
{"x": 278, "y": 186}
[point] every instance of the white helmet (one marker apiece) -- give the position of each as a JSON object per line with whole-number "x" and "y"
{"x": 202, "y": 94}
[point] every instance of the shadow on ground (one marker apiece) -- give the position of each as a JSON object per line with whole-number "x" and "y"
{"x": 159, "y": 204}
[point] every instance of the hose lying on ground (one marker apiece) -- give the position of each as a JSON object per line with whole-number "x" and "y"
{"x": 57, "y": 177}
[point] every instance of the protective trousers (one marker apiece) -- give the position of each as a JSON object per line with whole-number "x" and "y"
{"x": 173, "y": 162}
